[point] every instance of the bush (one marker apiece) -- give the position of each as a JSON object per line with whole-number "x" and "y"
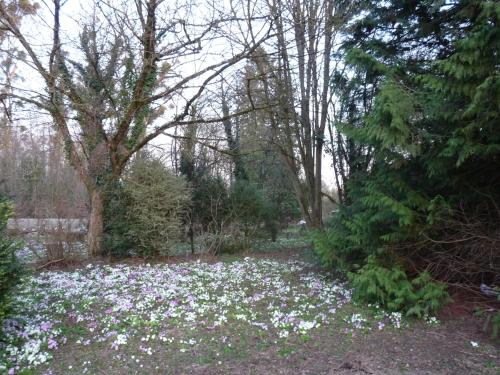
{"x": 250, "y": 207}
{"x": 234, "y": 245}
{"x": 10, "y": 267}
{"x": 146, "y": 210}
{"x": 247, "y": 203}
{"x": 371, "y": 235}
{"x": 338, "y": 247}
{"x": 210, "y": 202}
{"x": 392, "y": 290}
{"x": 116, "y": 226}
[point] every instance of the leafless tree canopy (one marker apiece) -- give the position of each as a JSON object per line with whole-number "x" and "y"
{"x": 132, "y": 71}
{"x": 126, "y": 73}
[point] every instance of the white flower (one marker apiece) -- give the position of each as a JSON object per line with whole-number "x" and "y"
{"x": 432, "y": 320}
{"x": 305, "y": 326}
{"x": 283, "y": 334}
{"x": 474, "y": 344}
{"x": 121, "y": 339}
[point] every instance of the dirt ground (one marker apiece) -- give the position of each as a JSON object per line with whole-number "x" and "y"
{"x": 436, "y": 350}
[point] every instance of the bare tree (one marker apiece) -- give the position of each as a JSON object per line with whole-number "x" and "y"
{"x": 296, "y": 78}
{"x": 9, "y": 53}
{"x": 106, "y": 95}
{"x": 36, "y": 176}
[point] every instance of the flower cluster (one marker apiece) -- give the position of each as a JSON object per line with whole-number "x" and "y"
{"x": 118, "y": 304}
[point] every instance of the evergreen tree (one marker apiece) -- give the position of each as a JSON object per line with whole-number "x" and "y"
{"x": 429, "y": 198}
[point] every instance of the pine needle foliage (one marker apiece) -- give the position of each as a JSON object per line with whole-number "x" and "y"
{"x": 433, "y": 185}
{"x": 10, "y": 268}
{"x": 390, "y": 288}
{"x": 145, "y": 214}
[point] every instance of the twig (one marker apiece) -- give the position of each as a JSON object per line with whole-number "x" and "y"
{"x": 49, "y": 263}
{"x": 480, "y": 354}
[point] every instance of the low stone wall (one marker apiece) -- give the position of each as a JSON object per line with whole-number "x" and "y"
{"x": 31, "y": 225}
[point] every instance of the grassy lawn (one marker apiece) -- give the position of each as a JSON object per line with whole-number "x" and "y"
{"x": 238, "y": 315}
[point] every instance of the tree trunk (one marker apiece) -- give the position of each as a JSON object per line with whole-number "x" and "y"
{"x": 318, "y": 201}
{"x": 96, "y": 224}
{"x": 191, "y": 237}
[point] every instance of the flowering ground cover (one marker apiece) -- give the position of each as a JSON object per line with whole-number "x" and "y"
{"x": 192, "y": 317}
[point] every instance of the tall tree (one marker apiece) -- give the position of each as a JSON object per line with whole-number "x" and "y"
{"x": 9, "y": 54}
{"x": 262, "y": 159}
{"x": 232, "y": 131}
{"x": 298, "y": 84}
{"x": 104, "y": 101}
{"x": 430, "y": 197}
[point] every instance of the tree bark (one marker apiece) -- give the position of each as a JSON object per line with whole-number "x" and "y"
{"x": 318, "y": 201}
{"x": 96, "y": 223}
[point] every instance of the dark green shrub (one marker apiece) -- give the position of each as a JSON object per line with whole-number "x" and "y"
{"x": 247, "y": 204}
{"x": 146, "y": 210}
{"x": 10, "y": 267}
{"x": 234, "y": 245}
{"x": 115, "y": 239}
{"x": 391, "y": 289}
{"x": 210, "y": 202}
{"x": 251, "y": 208}
{"x": 338, "y": 247}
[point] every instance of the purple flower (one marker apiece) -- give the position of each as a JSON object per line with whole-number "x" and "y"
{"x": 52, "y": 344}
{"x": 45, "y": 326}
{"x": 72, "y": 316}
